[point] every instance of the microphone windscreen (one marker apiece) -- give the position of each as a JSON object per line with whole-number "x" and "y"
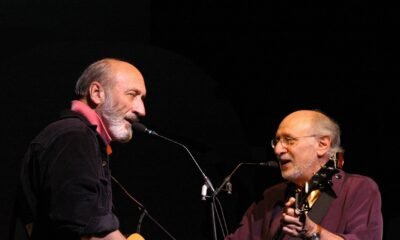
{"x": 271, "y": 164}
{"x": 139, "y": 127}
{"x": 135, "y": 236}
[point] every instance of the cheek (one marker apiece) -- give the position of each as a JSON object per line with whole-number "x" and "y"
{"x": 300, "y": 155}
{"x": 122, "y": 105}
{"x": 122, "y": 110}
{"x": 137, "y": 103}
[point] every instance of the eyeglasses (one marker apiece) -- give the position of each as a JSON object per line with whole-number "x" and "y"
{"x": 287, "y": 141}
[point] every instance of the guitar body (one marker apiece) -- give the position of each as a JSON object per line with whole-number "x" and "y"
{"x": 135, "y": 236}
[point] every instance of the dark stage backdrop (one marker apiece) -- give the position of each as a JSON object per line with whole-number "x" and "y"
{"x": 220, "y": 77}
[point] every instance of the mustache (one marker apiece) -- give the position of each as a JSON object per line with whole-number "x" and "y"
{"x": 132, "y": 118}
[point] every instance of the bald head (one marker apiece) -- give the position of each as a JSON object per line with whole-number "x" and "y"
{"x": 107, "y": 72}
{"x": 115, "y": 90}
{"x": 307, "y": 122}
{"x": 306, "y": 140}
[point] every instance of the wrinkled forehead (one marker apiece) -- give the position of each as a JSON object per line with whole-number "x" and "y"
{"x": 127, "y": 77}
{"x": 297, "y": 124}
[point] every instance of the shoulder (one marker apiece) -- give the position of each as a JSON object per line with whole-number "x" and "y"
{"x": 357, "y": 181}
{"x": 68, "y": 126}
{"x": 71, "y": 121}
{"x": 277, "y": 188}
{"x": 356, "y": 186}
{"x": 272, "y": 196}
{"x": 276, "y": 193}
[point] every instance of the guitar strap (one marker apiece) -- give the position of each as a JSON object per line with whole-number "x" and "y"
{"x": 321, "y": 206}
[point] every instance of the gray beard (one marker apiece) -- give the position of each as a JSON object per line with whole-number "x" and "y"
{"x": 116, "y": 124}
{"x": 299, "y": 171}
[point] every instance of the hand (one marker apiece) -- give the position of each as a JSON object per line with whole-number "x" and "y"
{"x": 297, "y": 224}
{"x": 292, "y": 220}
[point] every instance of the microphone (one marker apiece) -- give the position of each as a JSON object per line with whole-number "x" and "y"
{"x": 228, "y": 184}
{"x": 271, "y": 164}
{"x": 207, "y": 183}
{"x": 142, "y": 128}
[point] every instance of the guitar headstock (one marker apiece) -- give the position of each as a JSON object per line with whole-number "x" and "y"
{"x": 323, "y": 178}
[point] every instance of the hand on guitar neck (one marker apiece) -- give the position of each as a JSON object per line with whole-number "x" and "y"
{"x": 295, "y": 221}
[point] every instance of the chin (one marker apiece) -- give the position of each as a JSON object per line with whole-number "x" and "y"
{"x": 123, "y": 139}
{"x": 290, "y": 176}
{"x": 123, "y": 136}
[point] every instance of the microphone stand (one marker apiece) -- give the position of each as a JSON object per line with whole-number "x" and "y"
{"x": 226, "y": 183}
{"x": 143, "y": 209}
{"x": 207, "y": 183}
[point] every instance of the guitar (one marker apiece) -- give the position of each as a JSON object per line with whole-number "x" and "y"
{"x": 135, "y": 236}
{"x": 322, "y": 180}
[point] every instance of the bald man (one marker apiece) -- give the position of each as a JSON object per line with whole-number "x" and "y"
{"x": 318, "y": 200}
{"x": 65, "y": 183}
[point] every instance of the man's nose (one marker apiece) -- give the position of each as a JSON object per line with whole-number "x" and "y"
{"x": 139, "y": 108}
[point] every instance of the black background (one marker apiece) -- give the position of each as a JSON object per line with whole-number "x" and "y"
{"x": 220, "y": 77}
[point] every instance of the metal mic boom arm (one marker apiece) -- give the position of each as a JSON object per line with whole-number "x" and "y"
{"x": 272, "y": 164}
{"x": 206, "y": 179}
{"x": 142, "y": 128}
{"x": 226, "y": 180}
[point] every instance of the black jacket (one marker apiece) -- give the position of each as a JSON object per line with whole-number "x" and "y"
{"x": 65, "y": 182}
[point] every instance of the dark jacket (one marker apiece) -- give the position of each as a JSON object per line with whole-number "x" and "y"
{"x": 65, "y": 182}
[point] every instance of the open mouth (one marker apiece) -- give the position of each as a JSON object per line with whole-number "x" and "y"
{"x": 283, "y": 162}
{"x": 131, "y": 120}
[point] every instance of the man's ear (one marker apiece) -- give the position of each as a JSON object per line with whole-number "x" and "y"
{"x": 96, "y": 92}
{"x": 324, "y": 144}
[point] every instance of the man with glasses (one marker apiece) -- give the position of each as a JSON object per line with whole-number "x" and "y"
{"x": 318, "y": 200}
